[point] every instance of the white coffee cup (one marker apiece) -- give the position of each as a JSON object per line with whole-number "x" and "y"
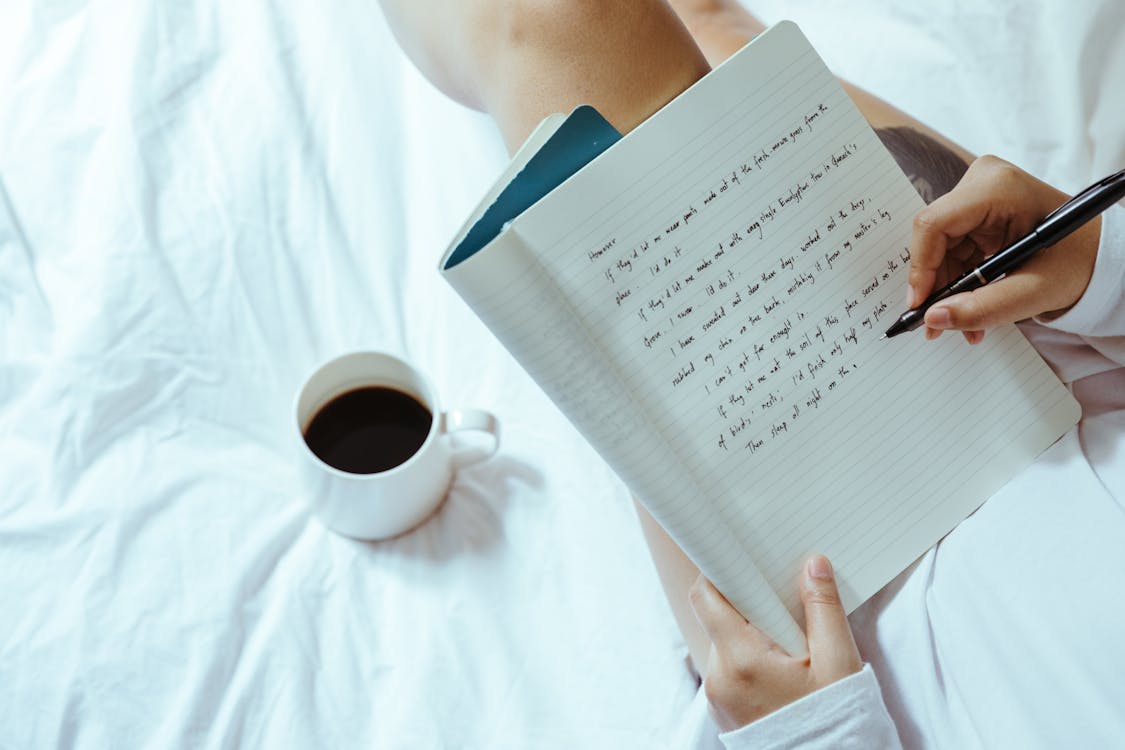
{"x": 386, "y": 503}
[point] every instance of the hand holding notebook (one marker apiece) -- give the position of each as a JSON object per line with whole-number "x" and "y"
{"x": 703, "y": 300}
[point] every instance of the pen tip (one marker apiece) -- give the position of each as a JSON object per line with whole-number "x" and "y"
{"x": 883, "y": 337}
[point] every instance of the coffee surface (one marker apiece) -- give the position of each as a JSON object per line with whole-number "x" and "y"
{"x": 369, "y": 430}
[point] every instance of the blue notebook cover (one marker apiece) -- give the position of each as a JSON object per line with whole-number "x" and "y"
{"x": 579, "y": 140}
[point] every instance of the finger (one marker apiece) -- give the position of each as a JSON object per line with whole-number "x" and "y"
{"x": 970, "y": 207}
{"x": 938, "y": 228}
{"x": 965, "y": 250}
{"x": 722, "y": 622}
{"x": 719, "y": 619}
{"x": 957, "y": 259}
{"x": 1012, "y": 298}
{"x": 973, "y": 337}
{"x": 832, "y": 649}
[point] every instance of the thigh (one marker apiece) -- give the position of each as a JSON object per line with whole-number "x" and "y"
{"x": 677, "y": 573}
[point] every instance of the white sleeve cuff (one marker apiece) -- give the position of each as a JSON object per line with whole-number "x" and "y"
{"x": 847, "y": 714}
{"x": 1101, "y": 309}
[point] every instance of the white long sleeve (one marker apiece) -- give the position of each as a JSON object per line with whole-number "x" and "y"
{"x": 846, "y": 714}
{"x": 1100, "y": 312}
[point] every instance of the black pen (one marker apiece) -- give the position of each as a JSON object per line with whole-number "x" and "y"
{"x": 1058, "y": 224}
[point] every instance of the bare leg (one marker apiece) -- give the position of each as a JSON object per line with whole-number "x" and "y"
{"x": 520, "y": 60}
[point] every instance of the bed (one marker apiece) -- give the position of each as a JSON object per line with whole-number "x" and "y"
{"x": 202, "y": 201}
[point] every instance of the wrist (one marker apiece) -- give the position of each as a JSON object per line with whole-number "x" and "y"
{"x": 1098, "y": 308}
{"x": 845, "y": 713}
{"x": 1081, "y": 251}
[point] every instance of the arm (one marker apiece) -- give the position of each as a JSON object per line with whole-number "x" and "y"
{"x": 1100, "y": 311}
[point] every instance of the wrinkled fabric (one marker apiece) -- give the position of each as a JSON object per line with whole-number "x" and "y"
{"x": 846, "y": 715}
{"x": 200, "y": 202}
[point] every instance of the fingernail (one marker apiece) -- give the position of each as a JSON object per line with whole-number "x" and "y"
{"x": 819, "y": 567}
{"x": 911, "y": 296}
{"x": 939, "y": 317}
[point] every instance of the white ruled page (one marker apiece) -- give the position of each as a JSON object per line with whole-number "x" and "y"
{"x": 734, "y": 261}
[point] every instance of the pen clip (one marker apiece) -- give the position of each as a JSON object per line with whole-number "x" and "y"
{"x": 1104, "y": 181}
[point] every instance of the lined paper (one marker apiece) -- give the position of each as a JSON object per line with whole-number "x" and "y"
{"x": 707, "y": 301}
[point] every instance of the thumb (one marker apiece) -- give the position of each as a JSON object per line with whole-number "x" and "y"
{"x": 1012, "y": 298}
{"x": 832, "y": 649}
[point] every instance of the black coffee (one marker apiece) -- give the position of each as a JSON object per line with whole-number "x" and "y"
{"x": 368, "y": 430}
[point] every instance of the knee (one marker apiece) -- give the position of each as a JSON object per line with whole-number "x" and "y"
{"x": 515, "y": 24}
{"x": 474, "y": 42}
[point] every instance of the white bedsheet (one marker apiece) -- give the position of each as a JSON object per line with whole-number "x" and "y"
{"x": 200, "y": 202}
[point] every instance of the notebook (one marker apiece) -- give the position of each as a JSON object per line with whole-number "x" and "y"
{"x": 703, "y": 298}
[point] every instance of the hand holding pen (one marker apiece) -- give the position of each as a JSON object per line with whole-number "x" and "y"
{"x": 996, "y": 206}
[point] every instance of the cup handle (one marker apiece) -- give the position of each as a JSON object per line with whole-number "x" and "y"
{"x": 471, "y": 419}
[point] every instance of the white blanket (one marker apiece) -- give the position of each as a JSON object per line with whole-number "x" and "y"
{"x": 200, "y": 201}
